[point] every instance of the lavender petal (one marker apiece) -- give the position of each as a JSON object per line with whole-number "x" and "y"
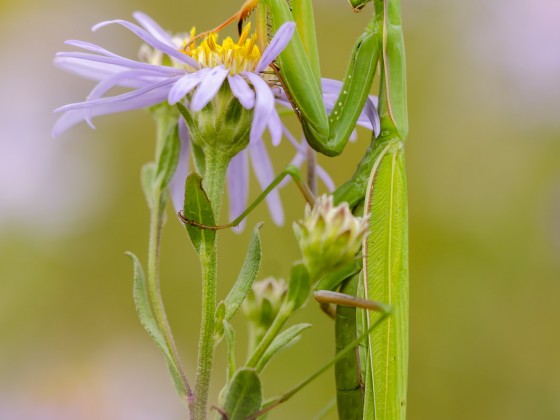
{"x": 184, "y": 85}
{"x": 125, "y": 97}
{"x": 238, "y": 186}
{"x": 265, "y": 174}
{"x": 130, "y": 78}
{"x": 325, "y": 177}
{"x": 177, "y": 184}
{"x": 369, "y": 118}
{"x": 275, "y": 128}
{"x": 241, "y": 91}
{"x": 120, "y": 61}
{"x": 264, "y": 105}
{"x": 88, "y": 46}
{"x": 277, "y": 44}
{"x": 73, "y": 117}
{"x": 88, "y": 69}
{"x": 150, "y": 40}
{"x": 208, "y": 87}
{"x": 153, "y": 28}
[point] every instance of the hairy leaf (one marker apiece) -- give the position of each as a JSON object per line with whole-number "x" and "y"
{"x": 144, "y": 310}
{"x": 284, "y": 339}
{"x": 244, "y": 395}
{"x": 198, "y": 209}
{"x": 246, "y": 277}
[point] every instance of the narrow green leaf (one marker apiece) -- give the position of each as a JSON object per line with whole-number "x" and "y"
{"x": 198, "y": 154}
{"x": 168, "y": 157}
{"x": 244, "y": 395}
{"x": 386, "y": 280}
{"x": 333, "y": 279}
{"x": 198, "y": 209}
{"x": 247, "y": 275}
{"x": 219, "y": 321}
{"x": 284, "y": 339}
{"x": 299, "y": 287}
{"x": 230, "y": 343}
{"x": 148, "y": 321}
{"x": 147, "y": 177}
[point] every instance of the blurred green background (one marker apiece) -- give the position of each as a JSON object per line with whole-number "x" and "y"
{"x": 484, "y": 182}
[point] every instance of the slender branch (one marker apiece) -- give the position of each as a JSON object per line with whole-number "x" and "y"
{"x": 311, "y": 169}
{"x": 213, "y": 182}
{"x": 154, "y": 290}
{"x": 289, "y": 171}
{"x": 350, "y": 347}
{"x": 281, "y": 318}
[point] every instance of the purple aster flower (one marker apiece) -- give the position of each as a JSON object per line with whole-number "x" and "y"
{"x": 201, "y": 70}
{"x": 238, "y": 171}
{"x": 171, "y": 70}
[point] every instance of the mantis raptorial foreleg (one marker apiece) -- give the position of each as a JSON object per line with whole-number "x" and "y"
{"x": 299, "y": 73}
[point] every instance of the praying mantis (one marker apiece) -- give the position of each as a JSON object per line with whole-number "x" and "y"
{"x": 371, "y": 384}
{"x": 380, "y": 181}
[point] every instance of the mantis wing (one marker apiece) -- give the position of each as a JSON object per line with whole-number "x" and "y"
{"x": 385, "y": 279}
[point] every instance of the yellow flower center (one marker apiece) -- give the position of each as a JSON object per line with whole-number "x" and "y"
{"x": 239, "y": 56}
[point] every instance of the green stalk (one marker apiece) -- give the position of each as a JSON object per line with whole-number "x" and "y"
{"x": 216, "y": 167}
{"x": 281, "y": 318}
{"x": 157, "y": 218}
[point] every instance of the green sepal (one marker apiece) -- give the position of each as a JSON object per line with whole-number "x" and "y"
{"x": 333, "y": 279}
{"x": 147, "y": 177}
{"x": 199, "y": 209}
{"x": 284, "y": 339}
{"x": 244, "y": 395}
{"x": 246, "y": 276}
{"x": 168, "y": 157}
{"x": 268, "y": 313}
{"x": 299, "y": 287}
{"x": 144, "y": 311}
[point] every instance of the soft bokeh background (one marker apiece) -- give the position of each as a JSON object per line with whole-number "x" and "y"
{"x": 484, "y": 179}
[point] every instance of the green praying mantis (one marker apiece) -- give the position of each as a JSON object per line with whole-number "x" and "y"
{"x": 372, "y": 382}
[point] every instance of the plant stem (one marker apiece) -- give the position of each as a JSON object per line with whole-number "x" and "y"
{"x": 208, "y": 262}
{"x": 281, "y": 318}
{"x": 213, "y": 182}
{"x": 153, "y": 285}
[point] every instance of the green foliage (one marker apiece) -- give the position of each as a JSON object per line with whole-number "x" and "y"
{"x": 244, "y": 395}
{"x": 299, "y": 287}
{"x": 168, "y": 158}
{"x": 199, "y": 209}
{"x": 334, "y": 278}
{"x": 284, "y": 339}
{"x": 147, "y": 177}
{"x": 246, "y": 277}
{"x": 230, "y": 342}
{"x": 144, "y": 311}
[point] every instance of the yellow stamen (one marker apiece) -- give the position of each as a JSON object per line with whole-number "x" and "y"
{"x": 239, "y": 56}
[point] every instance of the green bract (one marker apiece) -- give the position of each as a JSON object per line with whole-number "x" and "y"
{"x": 223, "y": 124}
{"x": 329, "y": 236}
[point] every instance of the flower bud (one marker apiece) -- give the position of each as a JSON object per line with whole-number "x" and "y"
{"x": 264, "y": 301}
{"x": 329, "y": 236}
